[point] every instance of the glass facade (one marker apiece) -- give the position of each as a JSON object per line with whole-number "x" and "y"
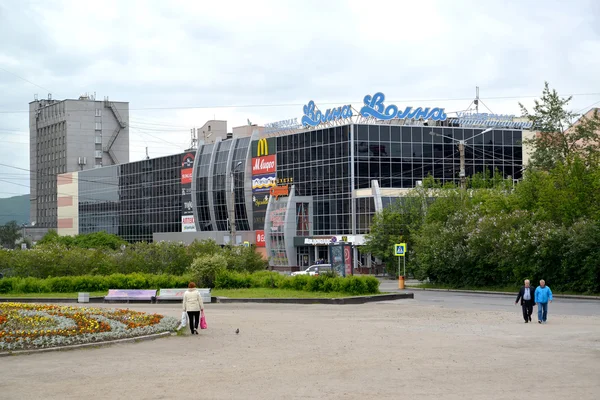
{"x": 132, "y": 200}
{"x": 323, "y": 165}
{"x": 400, "y": 156}
{"x": 136, "y": 200}
{"x": 317, "y": 163}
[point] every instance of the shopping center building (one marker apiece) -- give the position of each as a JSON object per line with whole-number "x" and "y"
{"x": 294, "y": 187}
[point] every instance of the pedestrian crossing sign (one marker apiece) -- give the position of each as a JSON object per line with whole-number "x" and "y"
{"x": 400, "y": 249}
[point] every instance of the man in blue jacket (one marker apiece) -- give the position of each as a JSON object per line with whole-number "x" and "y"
{"x": 543, "y": 295}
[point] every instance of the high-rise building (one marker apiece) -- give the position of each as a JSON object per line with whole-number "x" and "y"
{"x": 68, "y": 136}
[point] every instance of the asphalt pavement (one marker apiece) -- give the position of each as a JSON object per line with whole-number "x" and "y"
{"x": 493, "y": 302}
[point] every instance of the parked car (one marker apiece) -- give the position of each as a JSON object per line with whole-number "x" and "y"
{"x": 314, "y": 270}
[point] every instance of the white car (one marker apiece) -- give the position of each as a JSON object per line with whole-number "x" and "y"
{"x": 314, "y": 270}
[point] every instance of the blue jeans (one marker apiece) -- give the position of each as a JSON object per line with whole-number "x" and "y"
{"x": 542, "y": 311}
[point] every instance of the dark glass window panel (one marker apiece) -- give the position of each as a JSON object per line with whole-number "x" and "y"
{"x": 433, "y": 135}
{"x": 386, "y": 170}
{"x": 508, "y": 153}
{"x": 517, "y": 137}
{"x": 488, "y": 138}
{"x": 518, "y": 154}
{"x": 374, "y": 170}
{"x": 417, "y": 150}
{"x": 373, "y": 134}
{"x": 507, "y": 138}
{"x": 468, "y": 133}
{"x": 395, "y": 134}
{"x": 363, "y": 133}
{"x": 427, "y": 150}
{"x": 396, "y": 150}
{"x": 478, "y": 138}
{"x": 458, "y": 134}
{"x": 416, "y": 135}
{"x": 497, "y": 137}
{"x": 406, "y": 134}
{"x": 407, "y": 151}
{"x": 384, "y": 134}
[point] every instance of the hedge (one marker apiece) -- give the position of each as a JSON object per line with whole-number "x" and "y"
{"x": 354, "y": 285}
{"x": 91, "y": 283}
{"x": 225, "y": 280}
{"x": 55, "y": 259}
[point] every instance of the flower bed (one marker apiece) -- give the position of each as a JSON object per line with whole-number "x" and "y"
{"x": 36, "y": 326}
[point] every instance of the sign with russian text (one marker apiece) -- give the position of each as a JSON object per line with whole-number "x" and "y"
{"x": 263, "y": 183}
{"x": 373, "y": 107}
{"x": 278, "y": 191}
{"x": 484, "y": 120}
{"x": 285, "y": 125}
{"x": 187, "y": 212}
{"x": 188, "y": 223}
{"x": 264, "y": 165}
{"x": 260, "y": 238}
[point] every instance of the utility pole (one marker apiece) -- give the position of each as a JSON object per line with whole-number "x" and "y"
{"x": 232, "y": 229}
{"x": 232, "y": 217}
{"x": 462, "y": 173}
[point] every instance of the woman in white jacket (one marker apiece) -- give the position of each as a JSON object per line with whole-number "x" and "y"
{"x": 192, "y": 304}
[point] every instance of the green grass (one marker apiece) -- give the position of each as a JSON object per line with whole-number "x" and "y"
{"x": 509, "y": 289}
{"x": 260, "y": 293}
{"x": 50, "y": 295}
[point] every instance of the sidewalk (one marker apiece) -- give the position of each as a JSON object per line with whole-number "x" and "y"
{"x": 412, "y": 283}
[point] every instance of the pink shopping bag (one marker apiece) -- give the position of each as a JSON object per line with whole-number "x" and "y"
{"x": 203, "y": 321}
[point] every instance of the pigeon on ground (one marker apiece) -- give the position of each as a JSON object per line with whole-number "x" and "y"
{"x": 237, "y": 331}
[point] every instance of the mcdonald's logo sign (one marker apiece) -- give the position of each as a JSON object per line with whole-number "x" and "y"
{"x": 263, "y": 148}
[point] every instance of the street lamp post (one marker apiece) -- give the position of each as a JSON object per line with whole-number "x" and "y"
{"x": 232, "y": 212}
{"x": 461, "y": 150}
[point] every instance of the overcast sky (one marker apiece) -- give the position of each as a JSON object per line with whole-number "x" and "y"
{"x": 262, "y": 60}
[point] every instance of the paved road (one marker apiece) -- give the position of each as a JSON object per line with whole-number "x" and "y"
{"x": 495, "y": 302}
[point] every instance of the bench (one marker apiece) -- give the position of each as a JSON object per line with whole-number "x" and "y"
{"x": 172, "y": 295}
{"x": 130, "y": 295}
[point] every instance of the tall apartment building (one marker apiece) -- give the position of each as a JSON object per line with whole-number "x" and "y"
{"x": 68, "y": 136}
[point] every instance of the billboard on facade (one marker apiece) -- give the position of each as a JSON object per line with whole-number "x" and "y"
{"x": 263, "y": 183}
{"x": 188, "y": 223}
{"x": 264, "y": 165}
{"x": 187, "y": 212}
{"x": 260, "y": 238}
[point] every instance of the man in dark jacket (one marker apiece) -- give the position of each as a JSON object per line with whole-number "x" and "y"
{"x": 527, "y": 297}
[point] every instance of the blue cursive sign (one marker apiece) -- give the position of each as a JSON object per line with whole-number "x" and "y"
{"x": 314, "y": 118}
{"x": 374, "y": 107}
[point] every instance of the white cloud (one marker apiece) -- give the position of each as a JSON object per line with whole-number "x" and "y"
{"x": 158, "y": 54}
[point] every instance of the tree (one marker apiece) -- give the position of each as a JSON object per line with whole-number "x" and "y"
{"x": 559, "y": 134}
{"x": 9, "y": 234}
{"x": 395, "y": 224}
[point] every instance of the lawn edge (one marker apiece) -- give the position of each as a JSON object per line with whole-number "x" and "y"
{"x": 85, "y": 345}
{"x": 319, "y": 300}
{"x": 557, "y": 296}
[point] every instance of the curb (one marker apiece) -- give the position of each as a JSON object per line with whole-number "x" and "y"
{"x": 558, "y": 296}
{"x": 85, "y": 345}
{"x": 339, "y": 301}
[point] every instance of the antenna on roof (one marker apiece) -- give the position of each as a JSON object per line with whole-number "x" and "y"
{"x": 147, "y": 156}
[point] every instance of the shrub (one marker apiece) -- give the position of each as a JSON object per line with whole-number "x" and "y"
{"x": 6, "y": 285}
{"x": 204, "y": 269}
{"x": 233, "y": 280}
{"x": 322, "y": 283}
{"x": 92, "y": 283}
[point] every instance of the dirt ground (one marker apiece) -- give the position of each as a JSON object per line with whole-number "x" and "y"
{"x": 387, "y": 350}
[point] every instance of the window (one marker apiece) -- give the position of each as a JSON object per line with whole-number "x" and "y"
{"x": 98, "y": 112}
{"x": 98, "y": 126}
{"x": 98, "y": 139}
{"x": 98, "y": 153}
